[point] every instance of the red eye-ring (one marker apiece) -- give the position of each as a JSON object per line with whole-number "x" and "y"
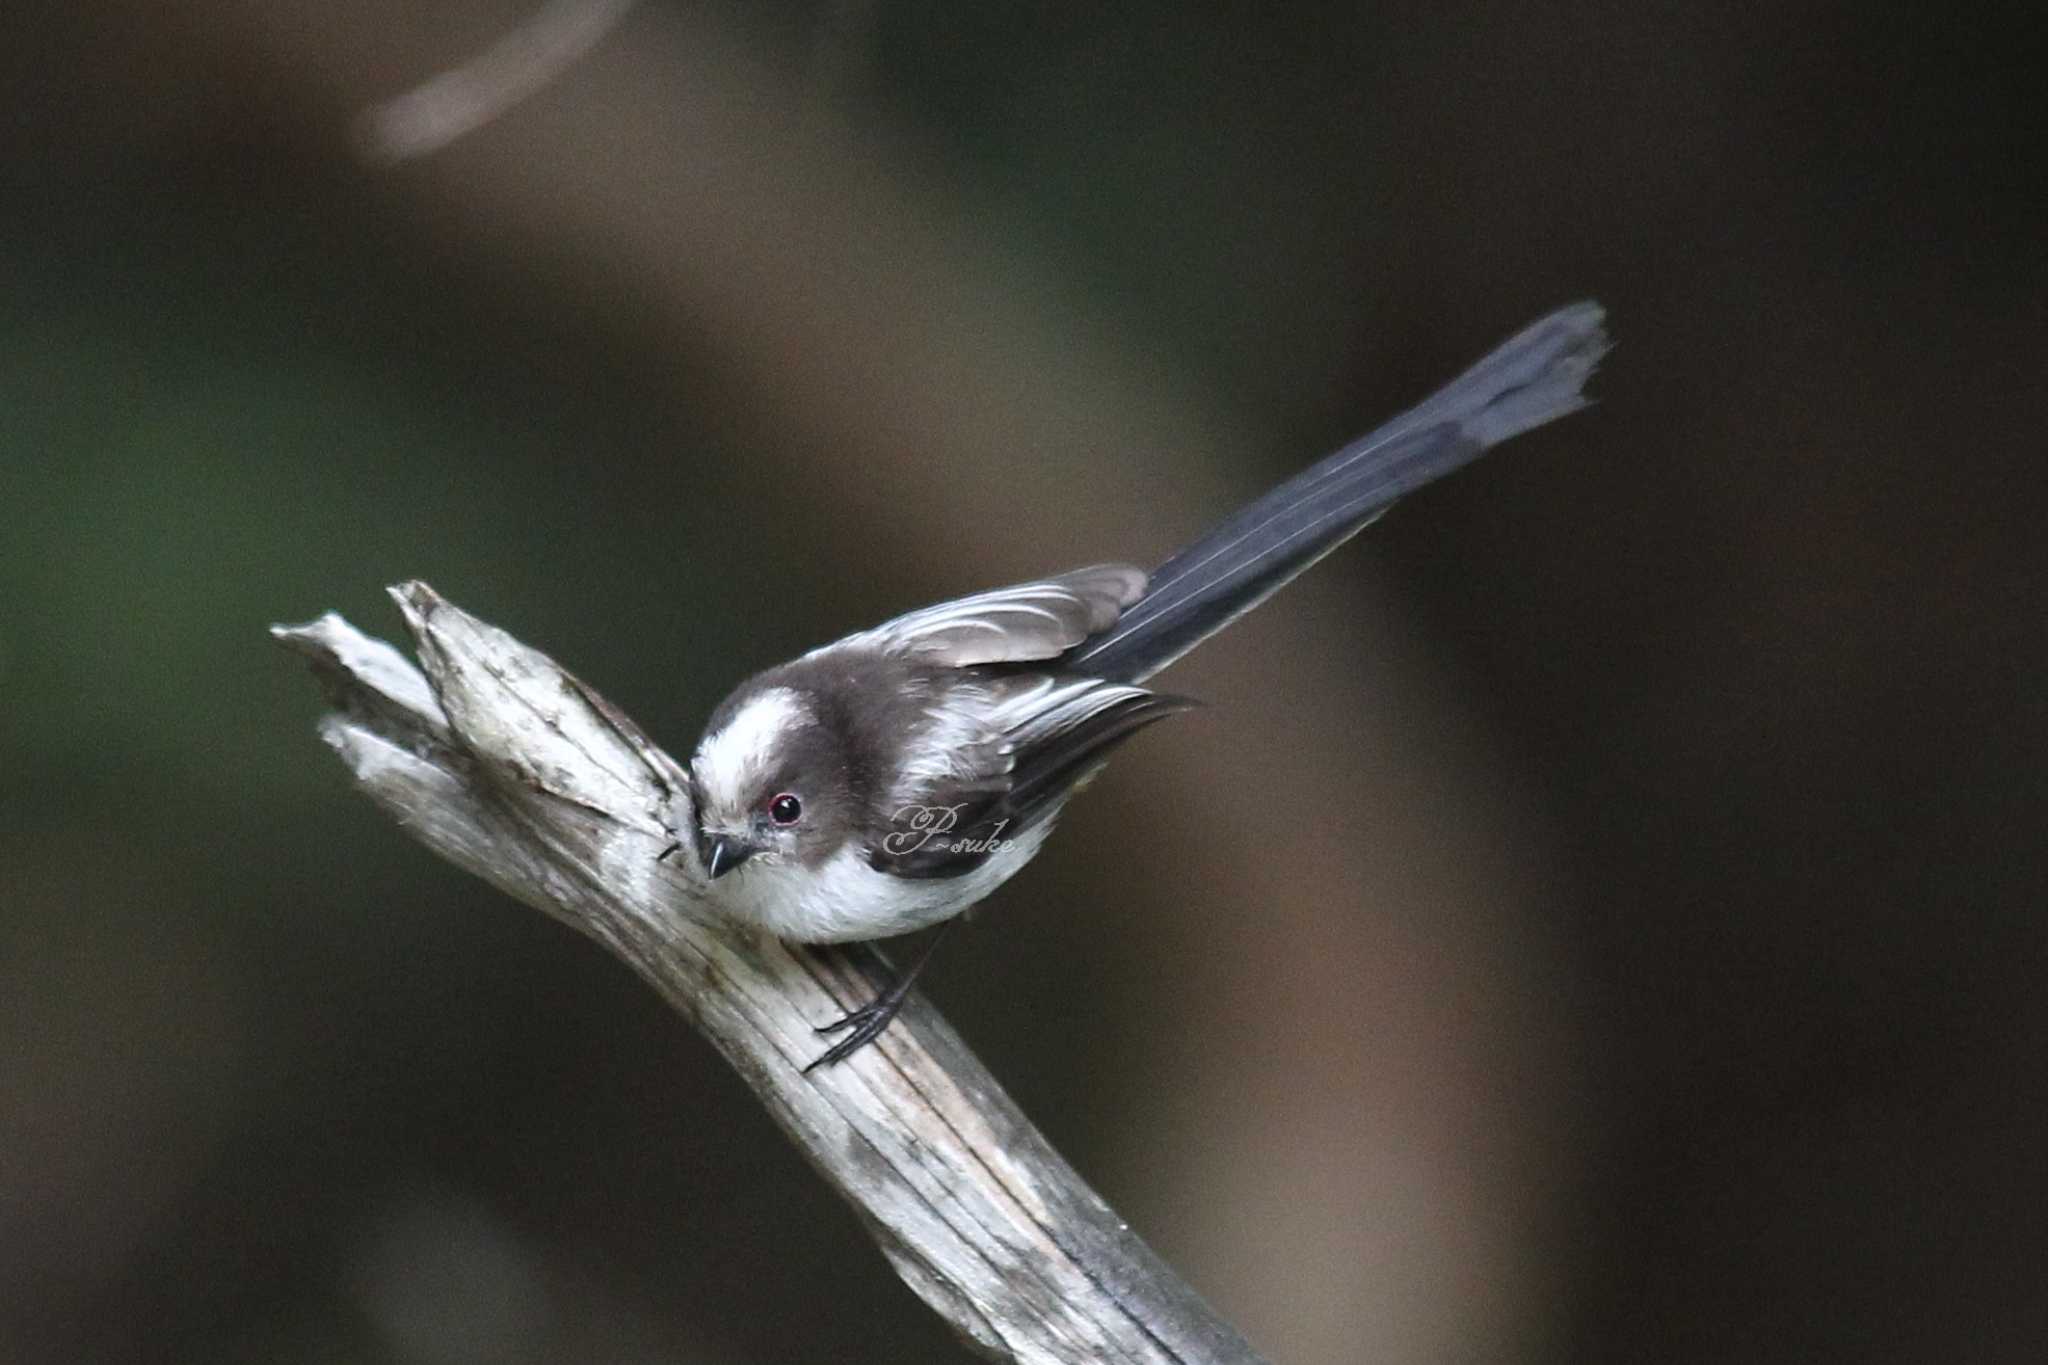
{"x": 786, "y": 809}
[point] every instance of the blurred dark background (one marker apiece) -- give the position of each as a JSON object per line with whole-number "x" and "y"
{"x": 1599, "y": 919}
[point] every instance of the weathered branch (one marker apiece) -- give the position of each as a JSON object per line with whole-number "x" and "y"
{"x": 506, "y": 765}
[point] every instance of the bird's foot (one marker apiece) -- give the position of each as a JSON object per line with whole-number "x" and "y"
{"x": 861, "y": 1026}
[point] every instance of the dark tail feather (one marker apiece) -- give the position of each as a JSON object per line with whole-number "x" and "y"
{"x": 1531, "y": 379}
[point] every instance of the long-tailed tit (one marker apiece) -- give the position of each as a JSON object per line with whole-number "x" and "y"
{"x": 889, "y": 781}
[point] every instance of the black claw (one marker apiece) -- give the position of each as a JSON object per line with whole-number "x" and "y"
{"x": 867, "y": 1024}
{"x": 863, "y": 1034}
{"x": 868, "y": 1021}
{"x": 847, "y": 1020}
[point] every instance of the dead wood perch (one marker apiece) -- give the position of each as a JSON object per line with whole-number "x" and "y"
{"x": 503, "y": 763}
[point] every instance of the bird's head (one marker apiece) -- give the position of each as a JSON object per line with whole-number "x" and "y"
{"x": 770, "y": 782}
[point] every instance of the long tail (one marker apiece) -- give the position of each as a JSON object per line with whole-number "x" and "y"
{"x": 1533, "y": 378}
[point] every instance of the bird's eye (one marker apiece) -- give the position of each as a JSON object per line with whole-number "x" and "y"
{"x": 785, "y": 809}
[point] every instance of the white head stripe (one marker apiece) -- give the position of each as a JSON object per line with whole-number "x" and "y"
{"x": 733, "y": 759}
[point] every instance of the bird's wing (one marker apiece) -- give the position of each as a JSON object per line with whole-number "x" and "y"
{"x": 1017, "y": 624}
{"x": 1022, "y": 744}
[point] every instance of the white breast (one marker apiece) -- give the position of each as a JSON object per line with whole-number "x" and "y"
{"x": 845, "y": 900}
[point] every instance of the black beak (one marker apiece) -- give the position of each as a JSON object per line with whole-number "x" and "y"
{"x": 722, "y": 855}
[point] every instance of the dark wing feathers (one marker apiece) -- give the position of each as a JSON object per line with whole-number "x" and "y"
{"x": 1056, "y": 731}
{"x": 1055, "y": 768}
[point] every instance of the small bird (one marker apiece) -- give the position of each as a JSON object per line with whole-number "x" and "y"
{"x": 890, "y": 780}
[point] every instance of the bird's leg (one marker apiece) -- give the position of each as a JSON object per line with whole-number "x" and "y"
{"x": 867, "y": 1022}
